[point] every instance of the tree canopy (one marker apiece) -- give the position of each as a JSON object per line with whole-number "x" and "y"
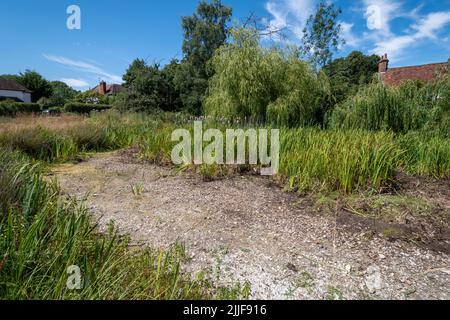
{"x": 349, "y": 73}
{"x": 321, "y": 36}
{"x": 204, "y": 32}
{"x": 265, "y": 84}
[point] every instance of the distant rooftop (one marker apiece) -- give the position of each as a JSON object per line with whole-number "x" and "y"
{"x": 12, "y": 85}
{"x": 395, "y": 76}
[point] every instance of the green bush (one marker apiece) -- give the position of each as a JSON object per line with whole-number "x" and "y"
{"x": 10, "y": 109}
{"x": 84, "y": 108}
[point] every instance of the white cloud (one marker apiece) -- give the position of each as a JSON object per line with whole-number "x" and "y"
{"x": 425, "y": 29}
{"x": 75, "y": 83}
{"x": 428, "y": 26}
{"x": 293, "y": 15}
{"x": 347, "y": 34}
{"x": 290, "y": 14}
{"x": 279, "y": 17}
{"x": 379, "y": 13}
{"x": 85, "y": 67}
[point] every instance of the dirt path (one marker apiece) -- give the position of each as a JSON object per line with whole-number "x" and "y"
{"x": 245, "y": 229}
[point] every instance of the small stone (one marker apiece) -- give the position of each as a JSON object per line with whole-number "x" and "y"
{"x": 292, "y": 267}
{"x": 348, "y": 269}
{"x": 373, "y": 279}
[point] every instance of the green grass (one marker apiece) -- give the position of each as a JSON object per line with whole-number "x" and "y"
{"x": 426, "y": 154}
{"x": 344, "y": 160}
{"x": 314, "y": 159}
{"x": 41, "y": 235}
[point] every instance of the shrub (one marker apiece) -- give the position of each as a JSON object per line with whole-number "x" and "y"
{"x": 12, "y": 108}
{"x": 84, "y": 108}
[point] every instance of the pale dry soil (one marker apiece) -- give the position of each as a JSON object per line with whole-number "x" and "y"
{"x": 245, "y": 228}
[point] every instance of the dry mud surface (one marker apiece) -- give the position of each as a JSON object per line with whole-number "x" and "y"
{"x": 246, "y": 229}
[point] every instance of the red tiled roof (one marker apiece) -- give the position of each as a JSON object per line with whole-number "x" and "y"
{"x": 110, "y": 88}
{"x": 427, "y": 72}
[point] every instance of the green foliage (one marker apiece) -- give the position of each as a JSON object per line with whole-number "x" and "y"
{"x": 91, "y": 97}
{"x": 348, "y": 74}
{"x": 259, "y": 84}
{"x": 204, "y": 32}
{"x": 310, "y": 158}
{"x": 61, "y": 94}
{"x": 34, "y": 82}
{"x": 13, "y": 108}
{"x": 191, "y": 86}
{"x": 426, "y": 154}
{"x": 179, "y": 85}
{"x": 313, "y": 159}
{"x": 149, "y": 88}
{"x": 85, "y": 108}
{"x": 321, "y": 37}
{"x": 135, "y": 70}
{"x": 410, "y": 106}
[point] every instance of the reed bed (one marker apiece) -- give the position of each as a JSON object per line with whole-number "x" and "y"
{"x": 311, "y": 158}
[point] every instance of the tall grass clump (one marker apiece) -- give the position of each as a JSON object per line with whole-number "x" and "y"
{"x": 314, "y": 159}
{"x": 410, "y": 106}
{"x": 41, "y": 236}
{"x": 426, "y": 154}
{"x": 48, "y": 141}
{"x": 40, "y": 143}
{"x": 259, "y": 84}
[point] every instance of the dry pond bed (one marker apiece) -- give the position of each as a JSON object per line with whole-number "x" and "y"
{"x": 245, "y": 228}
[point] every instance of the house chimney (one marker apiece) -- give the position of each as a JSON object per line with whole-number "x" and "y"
{"x": 102, "y": 87}
{"x": 383, "y": 64}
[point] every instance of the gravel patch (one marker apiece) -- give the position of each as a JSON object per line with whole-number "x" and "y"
{"x": 246, "y": 229}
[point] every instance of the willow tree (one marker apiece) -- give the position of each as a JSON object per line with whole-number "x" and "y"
{"x": 264, "y": 84}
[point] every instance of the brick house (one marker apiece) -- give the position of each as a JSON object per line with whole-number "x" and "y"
{"x": 395, "y": 76}
{"x": 108, "y": 89}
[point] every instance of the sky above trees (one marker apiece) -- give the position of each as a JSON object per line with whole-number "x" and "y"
{"x": 113, "y": 33}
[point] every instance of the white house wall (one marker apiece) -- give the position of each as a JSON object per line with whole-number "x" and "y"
{"x": 24, "y": 96}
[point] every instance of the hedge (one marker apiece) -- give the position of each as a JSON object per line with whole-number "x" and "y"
{"x": 12, "y": 108}
{"x": 78, "y": 107}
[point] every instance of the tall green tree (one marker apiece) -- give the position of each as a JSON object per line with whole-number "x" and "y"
{"x": 263, "y": 84}
{"x": 349, "y": 73}
{"x": 137, "y": 68}
{"x": 204, "y": 32}
{"x": 321, "y": 34}
{"x": 61, "y": 93}
{"x": 34, "y": 82}
{"x": 149, "y": 88}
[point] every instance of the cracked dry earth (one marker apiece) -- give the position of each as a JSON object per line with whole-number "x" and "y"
{"x": 246, "y": 229}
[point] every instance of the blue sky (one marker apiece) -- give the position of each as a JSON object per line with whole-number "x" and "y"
{"x": 34, "y": 33}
